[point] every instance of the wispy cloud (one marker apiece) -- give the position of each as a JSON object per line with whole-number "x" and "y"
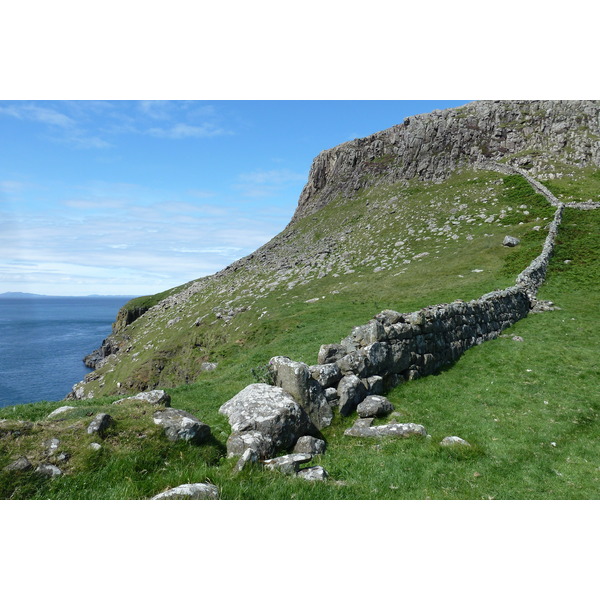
{"x": 268, "y": 182}
{"x": 181, "y": 130}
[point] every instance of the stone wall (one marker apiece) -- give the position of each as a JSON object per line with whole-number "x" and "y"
{"x": 394, "y": 347}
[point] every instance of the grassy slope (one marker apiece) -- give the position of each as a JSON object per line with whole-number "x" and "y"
{"x": 529, "y": 408}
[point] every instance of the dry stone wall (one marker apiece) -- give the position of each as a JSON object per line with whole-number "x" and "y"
{"x": 394, "y": 347}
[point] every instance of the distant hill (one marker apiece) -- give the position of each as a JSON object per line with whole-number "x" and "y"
{"x": 16, "y": 295}
{"x": 20, "y": 295}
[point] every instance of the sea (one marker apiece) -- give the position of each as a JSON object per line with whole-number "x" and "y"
{"x": 43, "y": 340}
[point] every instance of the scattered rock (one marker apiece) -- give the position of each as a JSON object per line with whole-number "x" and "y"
{"x": 208, "y": 366}
{"x": 21, "y": 464}
{"x": 190, "y": 491}
{"x": 351, "y": 391}
{"x": 288, "y": 464}
{"x": 331, "y": 353}
{"x": 374, "y": 406}
{"x": 100, "y": 424}
{"x": 51, "y": 446}
{"x": 249, "y": 456}
{"x": 317, "y": 473}
{"x": 181, "y": 425}
{"x": 49, "y": 470}
{"x": 308, "y": 444}
{"x": 95, "y": 446}
{"x": 511, "y": 241}
{"x": 154, "y": 397}
{"x": 454, "y": 440}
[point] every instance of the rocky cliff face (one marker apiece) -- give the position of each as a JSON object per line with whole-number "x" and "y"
{"x": 431, "y": 146}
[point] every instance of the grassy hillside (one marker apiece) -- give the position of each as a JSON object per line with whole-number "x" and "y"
{"x": 529, "y": 409}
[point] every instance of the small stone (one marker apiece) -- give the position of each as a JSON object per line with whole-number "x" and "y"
{"x": 190, "y": 491}
{"x": 249, "y": 456}
{"x": 95, "y": 446}
{"x": 374, "y": 406}
{"x": 308, "y": 444}
{"x": 21, "y": 464}
{"x": 208, "y": 366}
{"x": 287, "y": 464}
{"x": 100, "y": 424}
{"x": 154, "y": 397}
{"x": 317, "y": 473}
{"x": 511, "y": 241}
{"x": 51, "y": 446}
{"x": 517, "y": 338}
{"x": 181, "y": 425}
{"x": 49, "y": 470}
{"x": 454, "y": 440}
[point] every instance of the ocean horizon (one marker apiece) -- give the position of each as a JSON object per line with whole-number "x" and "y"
{"x": 43, "y": 340}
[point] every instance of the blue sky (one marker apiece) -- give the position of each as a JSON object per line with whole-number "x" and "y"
{"x": 134, "y": 197}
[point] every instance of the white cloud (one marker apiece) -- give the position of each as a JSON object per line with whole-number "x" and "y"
{"x": 263, "y": 183}
{"x": 182, "y": 130}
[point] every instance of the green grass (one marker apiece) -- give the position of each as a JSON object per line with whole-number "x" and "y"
{"x": 530, "y": 409}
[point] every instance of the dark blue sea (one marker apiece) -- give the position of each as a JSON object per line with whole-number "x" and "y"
{"x": 43, "y": 341}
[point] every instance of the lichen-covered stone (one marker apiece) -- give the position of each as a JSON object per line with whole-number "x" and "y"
{"x": 402, "y": 430}
{"x": 454, "y": 440}
{"x": 316, "y": 473}
{"x": 265, "y": 418}
{"x": 190, "y": 491}
{"x": 308, "y": 444}
{"x": 351, "y": 392}
{"x": 374, "y": 406}
{"x": 154, "y": 397}
{"x": 288, "y": 464}
{"x": 100, "y": 424}
{"x": 181, "y": 425}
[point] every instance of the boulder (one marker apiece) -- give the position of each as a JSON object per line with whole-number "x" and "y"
{"x": 511, "y": 241}
{"x": 351, "y": 392}
{"x": 308, "y": 444}
{"x": 265, "y": 418}
{"x": 100, "y": 424}
{"x": 59, "y": 411}
{"x": 190, "y": 491}
{"x": 181, "y": 425}
{"x": 294, "y": 377}
{"x": 317, "y": 473}
{"x": 154, "y": 397}
{"x": 288, "y": 464}
{"x": 374, "y": 406}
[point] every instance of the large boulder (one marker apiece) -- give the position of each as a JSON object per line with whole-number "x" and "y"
{"x": 181, "y": 425}
{"x": 374, "y": 406}
{"x": 295, "y": 378}
{"x": 265, "y": 418}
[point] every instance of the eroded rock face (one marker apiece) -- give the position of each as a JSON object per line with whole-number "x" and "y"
{"x": 265, "y": 418}
{"x": 181, "y": 425}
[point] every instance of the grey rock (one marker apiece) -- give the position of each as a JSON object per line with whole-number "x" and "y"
{"x": 517, "y": 338}
{"x": 288, "y": 464}
{"x": 154, "y": 397}
{"x": 351, "y": 391}
{"x": 294, "y": 377}
{"x": 326, "y": 375}
{"x": 308, "y": 444}
{"x": 454, "y": 440}
{"x": 190, "y": 491}
{"x": 330, "y": 353}
{"x": 209, "y": 366}
{"x": 249, "y": 456}
{"x": 374, "y": 406}
{"x": 331, "y": 396}
{"x": 374, "y": 385}
{"x": 181, "y": 425}
{"x": 317, "y": 473}
{"x": 59, "y": 411}
{"x": 511, "y": 241}
{"x": 95, "y": 446}
{"x": 100, "y": 424}
{"x": 21, "y": 464}
{"x": 51, "y": 446}
{"x": 402, "y": 430}
{"x": 265, "y": 418}
{"x": 49, "y": 470}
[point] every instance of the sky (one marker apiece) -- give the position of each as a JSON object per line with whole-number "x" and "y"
{"x": 135, "y": 197}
